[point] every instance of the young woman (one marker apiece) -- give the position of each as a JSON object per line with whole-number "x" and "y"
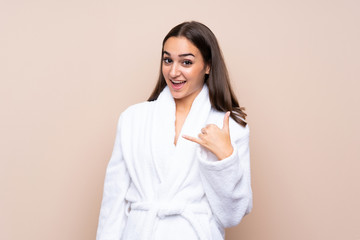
{"x": 180, "y": 167}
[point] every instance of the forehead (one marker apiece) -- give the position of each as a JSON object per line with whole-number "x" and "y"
{"x": 180, "y": 45}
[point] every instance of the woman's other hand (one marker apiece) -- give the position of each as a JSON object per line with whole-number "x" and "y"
{"x": 215, "y": 139}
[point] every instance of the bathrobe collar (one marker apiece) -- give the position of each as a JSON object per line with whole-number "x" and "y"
{"x": 173, "y": 163}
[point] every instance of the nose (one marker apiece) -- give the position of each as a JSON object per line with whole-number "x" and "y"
{"x": 174, "y": 71}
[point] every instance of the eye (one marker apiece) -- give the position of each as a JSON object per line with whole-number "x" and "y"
{"x": 167, "y": 60}
{"x": 187, "y": 62}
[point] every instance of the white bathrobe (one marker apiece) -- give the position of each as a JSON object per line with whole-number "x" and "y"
{"x": 156, "y": 190}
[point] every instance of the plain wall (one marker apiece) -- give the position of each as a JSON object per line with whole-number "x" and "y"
{"x": 69, "y": 68}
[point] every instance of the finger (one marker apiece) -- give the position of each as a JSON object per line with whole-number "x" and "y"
{"x": 211, "y": 126}
{"x": 192, "y": 139}
{"x": 226, "y": 121}
{"x": 203, "y": 131}
{"x": 201, "y": 136}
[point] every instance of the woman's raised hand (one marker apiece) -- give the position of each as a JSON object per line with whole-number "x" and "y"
{"x": 215, "y": 139}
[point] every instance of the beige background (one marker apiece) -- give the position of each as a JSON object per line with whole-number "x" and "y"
{"x": 68, "y": 69}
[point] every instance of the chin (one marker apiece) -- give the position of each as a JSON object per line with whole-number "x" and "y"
{"x": 176, "y": 95}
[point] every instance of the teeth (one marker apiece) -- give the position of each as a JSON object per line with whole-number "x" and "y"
{"x": 177, "y": 82}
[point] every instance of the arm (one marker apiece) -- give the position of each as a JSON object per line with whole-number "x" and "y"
{"x": 227, "y": 182}
{"x": 225, "y": 170}
{"x": 112, "y": 217}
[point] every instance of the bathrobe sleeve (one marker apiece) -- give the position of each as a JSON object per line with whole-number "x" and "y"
{"x": 227, "y": 182}
{"x": 112, "y": 217}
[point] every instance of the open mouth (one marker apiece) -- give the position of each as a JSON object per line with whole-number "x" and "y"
{"x": 177, "y": 85}
{"x": 177, "y": 82}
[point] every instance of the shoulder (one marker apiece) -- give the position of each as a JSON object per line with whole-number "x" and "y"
{"x": 136, "y": 112}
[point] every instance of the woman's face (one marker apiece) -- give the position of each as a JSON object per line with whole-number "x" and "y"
{"x": 183, "y": 68}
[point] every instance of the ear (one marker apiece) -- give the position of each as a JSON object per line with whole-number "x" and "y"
{"x": 207, "y": 69}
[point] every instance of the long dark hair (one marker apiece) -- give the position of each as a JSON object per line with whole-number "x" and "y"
{"x": 221, "y": 95}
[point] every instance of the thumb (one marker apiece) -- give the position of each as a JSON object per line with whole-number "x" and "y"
{"x": 226, "y": 121}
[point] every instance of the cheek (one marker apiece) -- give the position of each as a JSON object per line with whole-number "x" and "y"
{"x": 189, "y": 73}
{"x": 194, "y": 74}
{"x": 164, "y": 70}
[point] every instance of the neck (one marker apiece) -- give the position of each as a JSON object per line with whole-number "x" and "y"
{"x": 184, "y": 104}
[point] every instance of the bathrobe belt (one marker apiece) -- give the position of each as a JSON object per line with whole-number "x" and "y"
{"x": 159, "y": 210}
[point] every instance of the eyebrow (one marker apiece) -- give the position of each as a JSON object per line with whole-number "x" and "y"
{"x": 181, "y": 55}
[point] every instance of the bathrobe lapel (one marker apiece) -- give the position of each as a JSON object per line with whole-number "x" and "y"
{"x": 174, "y": 164}
{"x": 163, "y": 132}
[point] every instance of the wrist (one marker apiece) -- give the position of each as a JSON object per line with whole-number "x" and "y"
{"x": 225, "y": 153}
